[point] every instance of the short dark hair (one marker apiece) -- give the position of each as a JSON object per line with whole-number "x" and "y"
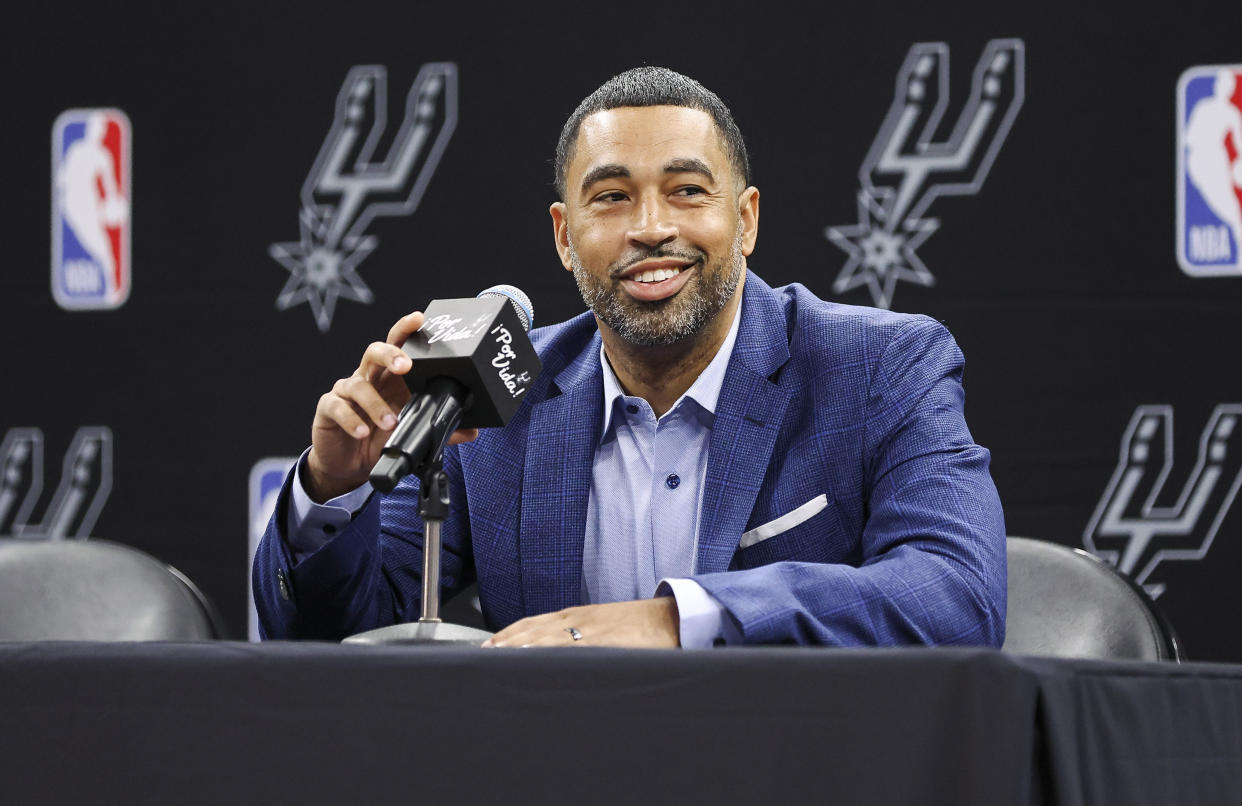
{"x": 652, "y": 86}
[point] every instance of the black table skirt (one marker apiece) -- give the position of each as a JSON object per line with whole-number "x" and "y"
{"x": 321, "y": 723}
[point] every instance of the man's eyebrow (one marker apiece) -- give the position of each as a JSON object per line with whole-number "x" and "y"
{"x": 601, "y": 172}
{"x": 689, "y": 165}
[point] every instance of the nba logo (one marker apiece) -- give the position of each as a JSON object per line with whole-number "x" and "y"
{"x": 1209, "y": 171}
{"x": 90, "y": 209}
{"x": 266, "y": 478}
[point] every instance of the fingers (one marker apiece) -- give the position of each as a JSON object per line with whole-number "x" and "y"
{"x": 541, "y": 639}
{"x": 531, "y": 638}
{"x": 356, "y": 396}
{"x": 464, "y": 435}
{"x": 404, "y": 327}
{"x": 506, "y": 636}
{"x": 352, "y": 420}
{"x": 550, "y": 629}
{"x": 648, "y": 623}
{"x": 335, "y": 409}
{"x": 381, "y": 356}
{"x": 387, "y": 354}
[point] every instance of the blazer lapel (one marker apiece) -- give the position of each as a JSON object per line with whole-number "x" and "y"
{"x": 560, "y": 450}
{"x": 749, "y": 414}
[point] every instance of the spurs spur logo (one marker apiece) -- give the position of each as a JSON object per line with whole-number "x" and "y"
{"x": 347, "y": 187}
{"x": 85, "y": 482}
{"x": 1135, "y": 526}
{"x": 905, "y": 171}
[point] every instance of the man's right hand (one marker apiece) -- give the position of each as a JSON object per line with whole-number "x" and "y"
{"x": 355, "y": 419}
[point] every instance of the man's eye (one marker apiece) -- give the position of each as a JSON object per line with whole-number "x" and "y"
{"x": 612, "y": 196}
{"x": 690, "y": 190}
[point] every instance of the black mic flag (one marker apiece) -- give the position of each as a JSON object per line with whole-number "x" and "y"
{"x": 472, "y": 365}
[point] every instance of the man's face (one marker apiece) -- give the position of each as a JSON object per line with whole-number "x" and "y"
{"x": 654, "y": 225}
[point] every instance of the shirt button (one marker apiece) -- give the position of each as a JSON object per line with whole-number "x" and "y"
{"x": 673, "y": 481}
{"x": 282, "y": 583}
{"x": 632, "y": 409}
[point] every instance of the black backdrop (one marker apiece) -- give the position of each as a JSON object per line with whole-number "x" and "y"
{"x": 1059, "y": 277}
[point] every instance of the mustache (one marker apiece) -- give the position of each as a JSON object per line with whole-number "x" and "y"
{"x": 639, "y": 255}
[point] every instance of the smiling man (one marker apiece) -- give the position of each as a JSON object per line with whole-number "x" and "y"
{"x": 704, "y": 459}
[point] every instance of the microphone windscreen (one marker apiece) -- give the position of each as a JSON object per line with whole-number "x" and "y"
{"x": 521, "y": 303}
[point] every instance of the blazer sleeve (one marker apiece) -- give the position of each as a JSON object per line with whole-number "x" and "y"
{"x": 932, "y": 547}
{"x": 369, "y": 575}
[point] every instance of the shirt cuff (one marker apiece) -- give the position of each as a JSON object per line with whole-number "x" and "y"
{"x": 310, "y": 526}
{"x": 704, "y": 621}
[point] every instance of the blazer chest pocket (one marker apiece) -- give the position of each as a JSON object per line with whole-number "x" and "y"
{"x": 806, "y": 534}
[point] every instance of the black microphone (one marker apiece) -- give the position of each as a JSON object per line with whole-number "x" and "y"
{"x": 472, "y": 364}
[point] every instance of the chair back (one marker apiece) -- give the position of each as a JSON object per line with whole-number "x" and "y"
{"x": 1065, "y": 602}
{"x": 95, "y": 590}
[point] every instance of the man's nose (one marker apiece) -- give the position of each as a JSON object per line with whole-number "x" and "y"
{"x": 653, "y": 223}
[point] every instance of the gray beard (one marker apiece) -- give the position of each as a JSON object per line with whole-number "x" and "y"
{"x": 666, "y": 321}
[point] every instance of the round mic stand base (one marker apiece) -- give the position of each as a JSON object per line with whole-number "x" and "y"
{"x": 421, "y": 632}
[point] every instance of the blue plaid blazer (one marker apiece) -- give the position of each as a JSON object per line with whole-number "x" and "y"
{"x": 855, "y": 410}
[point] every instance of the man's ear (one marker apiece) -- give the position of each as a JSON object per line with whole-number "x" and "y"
{"x": 560, "y": 233}
{"x": 748, "y": 209}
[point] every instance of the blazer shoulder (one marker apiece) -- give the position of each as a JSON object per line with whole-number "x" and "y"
{"x": 859, "y": 331}
{"x": 811, "y": 311}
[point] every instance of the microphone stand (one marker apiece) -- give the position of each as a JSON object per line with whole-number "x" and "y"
{"x": 433, "y": 507}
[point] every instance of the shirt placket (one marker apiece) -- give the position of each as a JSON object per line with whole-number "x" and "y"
{"x": 670, "y": 490}
{"x": 644, "y": 428}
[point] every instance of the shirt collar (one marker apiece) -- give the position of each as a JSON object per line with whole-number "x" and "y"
{"x": 705, "y": 390}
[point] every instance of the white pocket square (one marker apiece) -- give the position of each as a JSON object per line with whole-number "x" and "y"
{"x": 785, "y": 522}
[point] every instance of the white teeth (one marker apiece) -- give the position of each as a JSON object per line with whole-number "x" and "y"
{"x": 657, "y": 276}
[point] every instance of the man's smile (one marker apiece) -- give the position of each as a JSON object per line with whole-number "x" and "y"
{"x": 653, "y": 280}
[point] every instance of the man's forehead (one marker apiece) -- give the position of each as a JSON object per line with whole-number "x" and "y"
{"x": 628, "y": 133}
{"x": 647, "y": 118}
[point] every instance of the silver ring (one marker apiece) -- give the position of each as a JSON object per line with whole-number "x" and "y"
{"x": 573, "y": 632}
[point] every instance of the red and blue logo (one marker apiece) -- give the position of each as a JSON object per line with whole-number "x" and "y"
{"x": 1209, "y": 171}
{"x": 91, "y": 209}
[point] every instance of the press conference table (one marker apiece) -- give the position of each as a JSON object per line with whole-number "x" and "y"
{"x": 315, "y": 723}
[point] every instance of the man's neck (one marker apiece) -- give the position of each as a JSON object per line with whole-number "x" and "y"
{"x": 661, "y": 375}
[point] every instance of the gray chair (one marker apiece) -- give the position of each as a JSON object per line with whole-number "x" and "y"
{"x": 95, "y": 590}
{"x": 1067, "y": 603}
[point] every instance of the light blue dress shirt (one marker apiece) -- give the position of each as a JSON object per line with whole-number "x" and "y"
{"x": 643, "y": 513}
{"x": 647, "y": 479}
